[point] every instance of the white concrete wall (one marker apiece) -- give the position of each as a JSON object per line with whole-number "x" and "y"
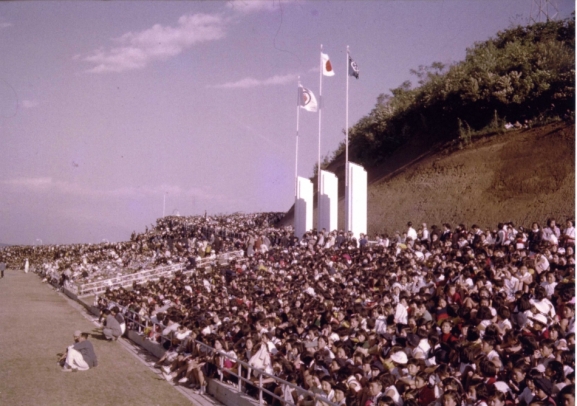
{"x": 356, "y": 200}
{"x": 328, "y": 202}
{"x": 303, "y": 219}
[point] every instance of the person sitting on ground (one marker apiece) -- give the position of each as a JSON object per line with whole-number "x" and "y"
{"x": 112, "y": 329}
{"x": 80, "y": 356}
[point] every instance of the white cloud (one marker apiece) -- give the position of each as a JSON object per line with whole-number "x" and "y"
{"x": 250, "y": 6}
{"x": 251, "y": 82}
{"x": 137, "y": 49}
{"x": 5, "y": 25}
{"x": 253, "y": 6}
{"x": 44, "y": 184}
{"x": 30, "y": 183}
{"x": 28, "y": 104}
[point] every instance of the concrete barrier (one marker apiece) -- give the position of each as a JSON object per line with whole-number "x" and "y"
{"x": 91, "y": 309}
{"x": 154, "y": 348}
{"x": 228, "y": 395}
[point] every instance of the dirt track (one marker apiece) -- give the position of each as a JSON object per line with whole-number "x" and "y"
{"x": 37, "y": 323}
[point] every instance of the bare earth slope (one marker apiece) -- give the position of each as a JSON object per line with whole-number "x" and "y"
{"x": 519, "y": 176}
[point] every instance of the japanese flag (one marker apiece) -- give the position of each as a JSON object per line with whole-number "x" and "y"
{"x": 327, "y": 67}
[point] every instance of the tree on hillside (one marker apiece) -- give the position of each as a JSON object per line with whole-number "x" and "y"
{"x": 524, "y": 73}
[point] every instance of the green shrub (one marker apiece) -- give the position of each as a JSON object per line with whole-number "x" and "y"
{"x": 526, "y": 74}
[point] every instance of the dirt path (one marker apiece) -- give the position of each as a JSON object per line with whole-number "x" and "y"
{"x": 36, "y": 323}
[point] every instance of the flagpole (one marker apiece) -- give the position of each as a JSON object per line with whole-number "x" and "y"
{"x": 319, "y": 153}
{"x": 297, "y": 141}
{"x": 347, "y": 125}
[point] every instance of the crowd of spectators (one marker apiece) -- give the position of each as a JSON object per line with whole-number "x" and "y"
{"x": 446, "y": 315}
{"x": 173, "y": 240}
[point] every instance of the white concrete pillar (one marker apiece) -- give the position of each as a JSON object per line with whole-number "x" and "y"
{"x": 328, "y": 202}
{"x": 303, "y": 218}
{"x": 356, "y": 200}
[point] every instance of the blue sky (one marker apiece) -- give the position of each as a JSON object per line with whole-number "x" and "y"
{"x": 108, "y": 109}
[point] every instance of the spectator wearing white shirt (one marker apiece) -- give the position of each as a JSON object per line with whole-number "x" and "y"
{"x": 549, "y": 284}
{"x": 541, "y": 263}
{"x": 550, "y": 230}
{"x": 542, "y": 304}
{"x": 511, "y": 285}
{"x": 503, "y": 320}
{"x": 426, "y": 234}
{"x": 568, "y": 238}
{"x": 487, "y": 347}
{"x": 411, "y": 232}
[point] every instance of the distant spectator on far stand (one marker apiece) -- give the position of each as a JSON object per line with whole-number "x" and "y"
{"x": 411, "y": 232}
{"x": 501, "y": 234}
{"x": 435, "y": 242}
{"x": 568, "y": 238}
{"x": 363, "y": 241}
{"x": 477, "y": 232}
{"x": 535, "y": 237}
{"x": 340, "y": 240}
{"x": 551, "y": 230}
{"x": 447, "y": 235}
{"x": 426, "y": 236}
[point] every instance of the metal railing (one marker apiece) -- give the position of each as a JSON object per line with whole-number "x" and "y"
{"x": 146, "y": 323}
{"x": 94, "y": 288}
{"x": 260, "y": 373}
{"x": 222, "y": 259}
